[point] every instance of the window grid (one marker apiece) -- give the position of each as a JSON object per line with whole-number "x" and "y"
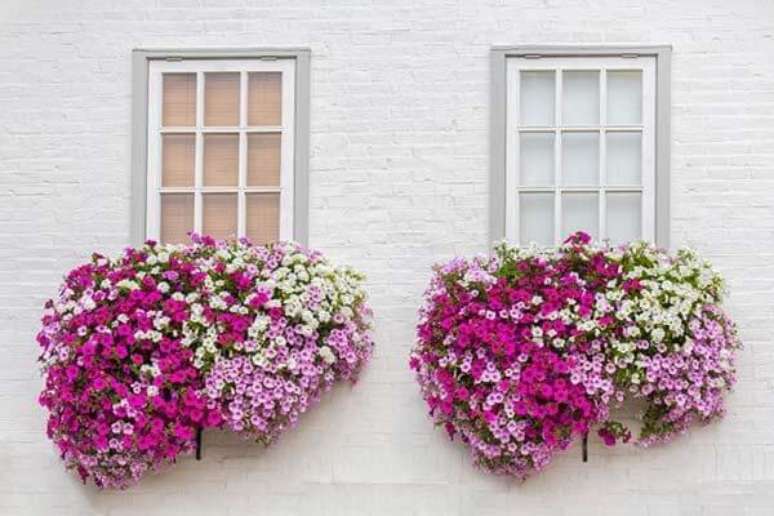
{"x": 515, "y": 128}
{"x": 559, "y": 129}
{"x": 200, "y": 130}
{"x": 157, "y": 130}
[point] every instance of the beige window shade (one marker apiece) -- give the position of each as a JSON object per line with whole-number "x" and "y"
{"x": 179, "y": 100}
{"x": 264, "y": 102}
{"x": 262, "y": 217}
{"x": 220, "y": 143}
{"x": 220, "y": 215}
{"x": 221, "y": 159}
{"x": 177, "y": 163}
{"x": 177, "y": 217}
{"x": 263, "y": 159}
{"x": 221, "y": 99}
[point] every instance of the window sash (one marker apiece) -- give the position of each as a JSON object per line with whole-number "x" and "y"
{"x": 156, "y": 130}
{"x": 558, "y": 65}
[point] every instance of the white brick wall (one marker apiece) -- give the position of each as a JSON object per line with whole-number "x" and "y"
{"x": 399, "y": 170}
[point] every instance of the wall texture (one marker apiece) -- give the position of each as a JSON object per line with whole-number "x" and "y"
{"x": 399, "y": 171}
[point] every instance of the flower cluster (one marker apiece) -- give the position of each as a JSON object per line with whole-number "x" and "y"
{"x": 522, "y": 352}
{"x": 278, "y": 326}
{"x": 141, "y": 351}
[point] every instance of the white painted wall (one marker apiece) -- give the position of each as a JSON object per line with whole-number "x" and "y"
{"x": 399, "y": 172}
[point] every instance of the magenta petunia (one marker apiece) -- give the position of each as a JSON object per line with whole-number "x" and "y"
{"x": 520, "y": 353}
{"x": 141, "y": 351}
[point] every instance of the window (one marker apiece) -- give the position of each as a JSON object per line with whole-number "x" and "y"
{"x": 579, "y": 141}
{"x": 222, "y": 152}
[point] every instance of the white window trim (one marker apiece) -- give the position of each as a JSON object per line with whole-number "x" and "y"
{"x": 156, "y": 131}
{"x": 516, "y": 65}
{"x": 297, "y": 59}
{"x": 498, "y": 123}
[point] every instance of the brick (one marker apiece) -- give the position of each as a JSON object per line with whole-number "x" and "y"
{"x": 399, "y": 180}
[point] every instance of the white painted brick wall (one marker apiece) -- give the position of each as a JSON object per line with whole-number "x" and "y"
{"x": 399, "y": 171}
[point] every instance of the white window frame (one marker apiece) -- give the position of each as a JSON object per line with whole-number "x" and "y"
{"x": 559, "y": 65}
{"x": 504, "y": 191}
{"x": 293, "y": 63}
{"x": 156, "y": 131}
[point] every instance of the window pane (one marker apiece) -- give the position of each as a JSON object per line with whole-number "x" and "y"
{"x": 221, "y": 159}
{"x": 579, "y": 213}
{"x": 624, "y": 214}
{"x": 263, "y": 212}
{"x": 220, "y": 215}
{"x": 580, "y": 159}
{"x": 624, "y": 97}
{"x": 179, "y": 99}
{"x": 263, "y": 159}
{"x": 221, "y": 99}
{"x": 177, "y": 217}
{"x": 264, "y": 103}
{"x": 624, "y": 158}
{"x": 536, "y": 159}
{"x": 580, "y": 98}
{"x": 536, "y": 218}
{"x": 177, "y": 162}
{"x": 536, "y": 106}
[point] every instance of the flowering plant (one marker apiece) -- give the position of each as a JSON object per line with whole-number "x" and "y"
{"x": 140, "y": 351}
{"x": 522, "y": 352}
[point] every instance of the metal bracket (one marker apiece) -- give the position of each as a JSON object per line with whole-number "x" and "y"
{"x": 199, "y": 443}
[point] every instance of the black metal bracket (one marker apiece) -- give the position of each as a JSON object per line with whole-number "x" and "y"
{"x": 585, "y": 444}
{"x": 198, "y": 444}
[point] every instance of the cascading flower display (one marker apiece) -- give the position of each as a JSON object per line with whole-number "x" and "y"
{"x": 141, "y": 351}
{"x": 280, "y": 326}
{"x": 521, "y": 352}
